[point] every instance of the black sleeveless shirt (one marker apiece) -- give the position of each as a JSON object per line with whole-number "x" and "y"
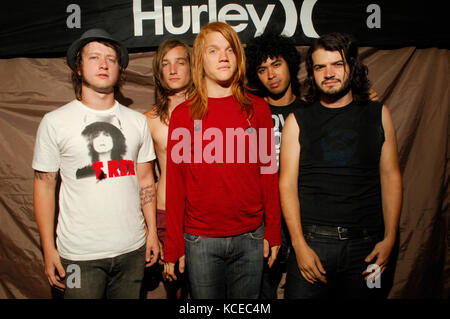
{"x": 339, "y": 174}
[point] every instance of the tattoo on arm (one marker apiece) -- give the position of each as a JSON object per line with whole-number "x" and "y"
{"x": 147, "y": 194}
{"x": 46, "y": 176}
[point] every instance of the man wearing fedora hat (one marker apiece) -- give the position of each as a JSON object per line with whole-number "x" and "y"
{"x": 106, "y": 229}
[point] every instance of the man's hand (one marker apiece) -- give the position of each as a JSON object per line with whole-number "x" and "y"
{"x": 54, "y": 269}
{"x": 152, "y": 249}
{"x": 381, "y": 251}
{"x": 273, "y": 252}
{"x": 169, "y": 269}
{"x": 310, "y": 266}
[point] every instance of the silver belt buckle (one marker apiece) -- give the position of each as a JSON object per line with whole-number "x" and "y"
{"x": 340, "y": 233}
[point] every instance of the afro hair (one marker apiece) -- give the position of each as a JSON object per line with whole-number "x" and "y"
{"x": 271, "y": 45}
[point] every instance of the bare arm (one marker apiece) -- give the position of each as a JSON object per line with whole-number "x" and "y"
{"x": 391, "y": 179}
{"x": 44, "y": 210}
{"x": 289, "y": 163}
{"x": 391, "y": 192}
{"x": 307, "y": 260}
{"x": 148, "y": 206}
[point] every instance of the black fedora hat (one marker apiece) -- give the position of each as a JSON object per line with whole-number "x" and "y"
{"x": 94, "y": 35}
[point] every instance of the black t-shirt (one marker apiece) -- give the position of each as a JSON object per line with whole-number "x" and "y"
{"x": 339, "y": 177}
{"x": 279, "y": 115}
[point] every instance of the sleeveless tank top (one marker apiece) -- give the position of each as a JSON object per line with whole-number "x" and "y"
{"x": 339, "y": 178}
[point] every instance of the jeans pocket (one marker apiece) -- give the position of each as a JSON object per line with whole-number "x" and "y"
{"x": 191, "y": 239}
{"x": 257, "y": 234}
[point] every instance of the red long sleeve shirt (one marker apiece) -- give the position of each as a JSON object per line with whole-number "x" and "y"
{"x": 222, "y": 177}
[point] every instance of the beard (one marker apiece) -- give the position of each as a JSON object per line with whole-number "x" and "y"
{"x": 336, "y": 95}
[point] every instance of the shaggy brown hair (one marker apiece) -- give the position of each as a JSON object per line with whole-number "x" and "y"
{"x": 77, "y": 76}
{"x": 162, "y": 91}
{"x": 346, "y": 46}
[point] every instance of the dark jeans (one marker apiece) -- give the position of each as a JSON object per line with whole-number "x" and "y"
{"x": 272, "y": 276}
{"x": 225, "y": 267}
{"x": 343, "y": 261}
{"x": 177, "y": 289}
{"x": 118, "y": 277}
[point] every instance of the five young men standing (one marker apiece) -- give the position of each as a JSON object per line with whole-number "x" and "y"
{"x": 218, "y": 196}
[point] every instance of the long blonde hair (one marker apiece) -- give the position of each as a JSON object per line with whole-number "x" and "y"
{"x": 199, "y": 103}
{"x": 162, "y": 90}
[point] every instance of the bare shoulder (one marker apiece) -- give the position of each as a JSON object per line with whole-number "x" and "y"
{"x": 153, "y": 118}
{"x": 291, "y": 123}
{"x": 385, "y": 110}
{"x": 151, "y": 114}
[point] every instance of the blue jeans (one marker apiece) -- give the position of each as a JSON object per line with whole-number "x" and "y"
{"x": 119, "y": 277}
{"x": 225, "y": 267}
{"x": 343, "y": 261}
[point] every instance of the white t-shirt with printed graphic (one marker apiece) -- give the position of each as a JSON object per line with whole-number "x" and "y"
{"x": 96, "y": 153}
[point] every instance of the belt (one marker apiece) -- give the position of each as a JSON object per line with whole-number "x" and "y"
{"x": 342, "y": 233}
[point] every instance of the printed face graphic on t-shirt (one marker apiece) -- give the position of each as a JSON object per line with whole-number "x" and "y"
{"x": 106, "y": 146}
{"x": 278, "y": 123}
{"x": 103, "y": 143}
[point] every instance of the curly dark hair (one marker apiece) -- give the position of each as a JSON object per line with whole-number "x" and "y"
{"x": 346, "y": 45}
{"x": 271, "y": 45}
